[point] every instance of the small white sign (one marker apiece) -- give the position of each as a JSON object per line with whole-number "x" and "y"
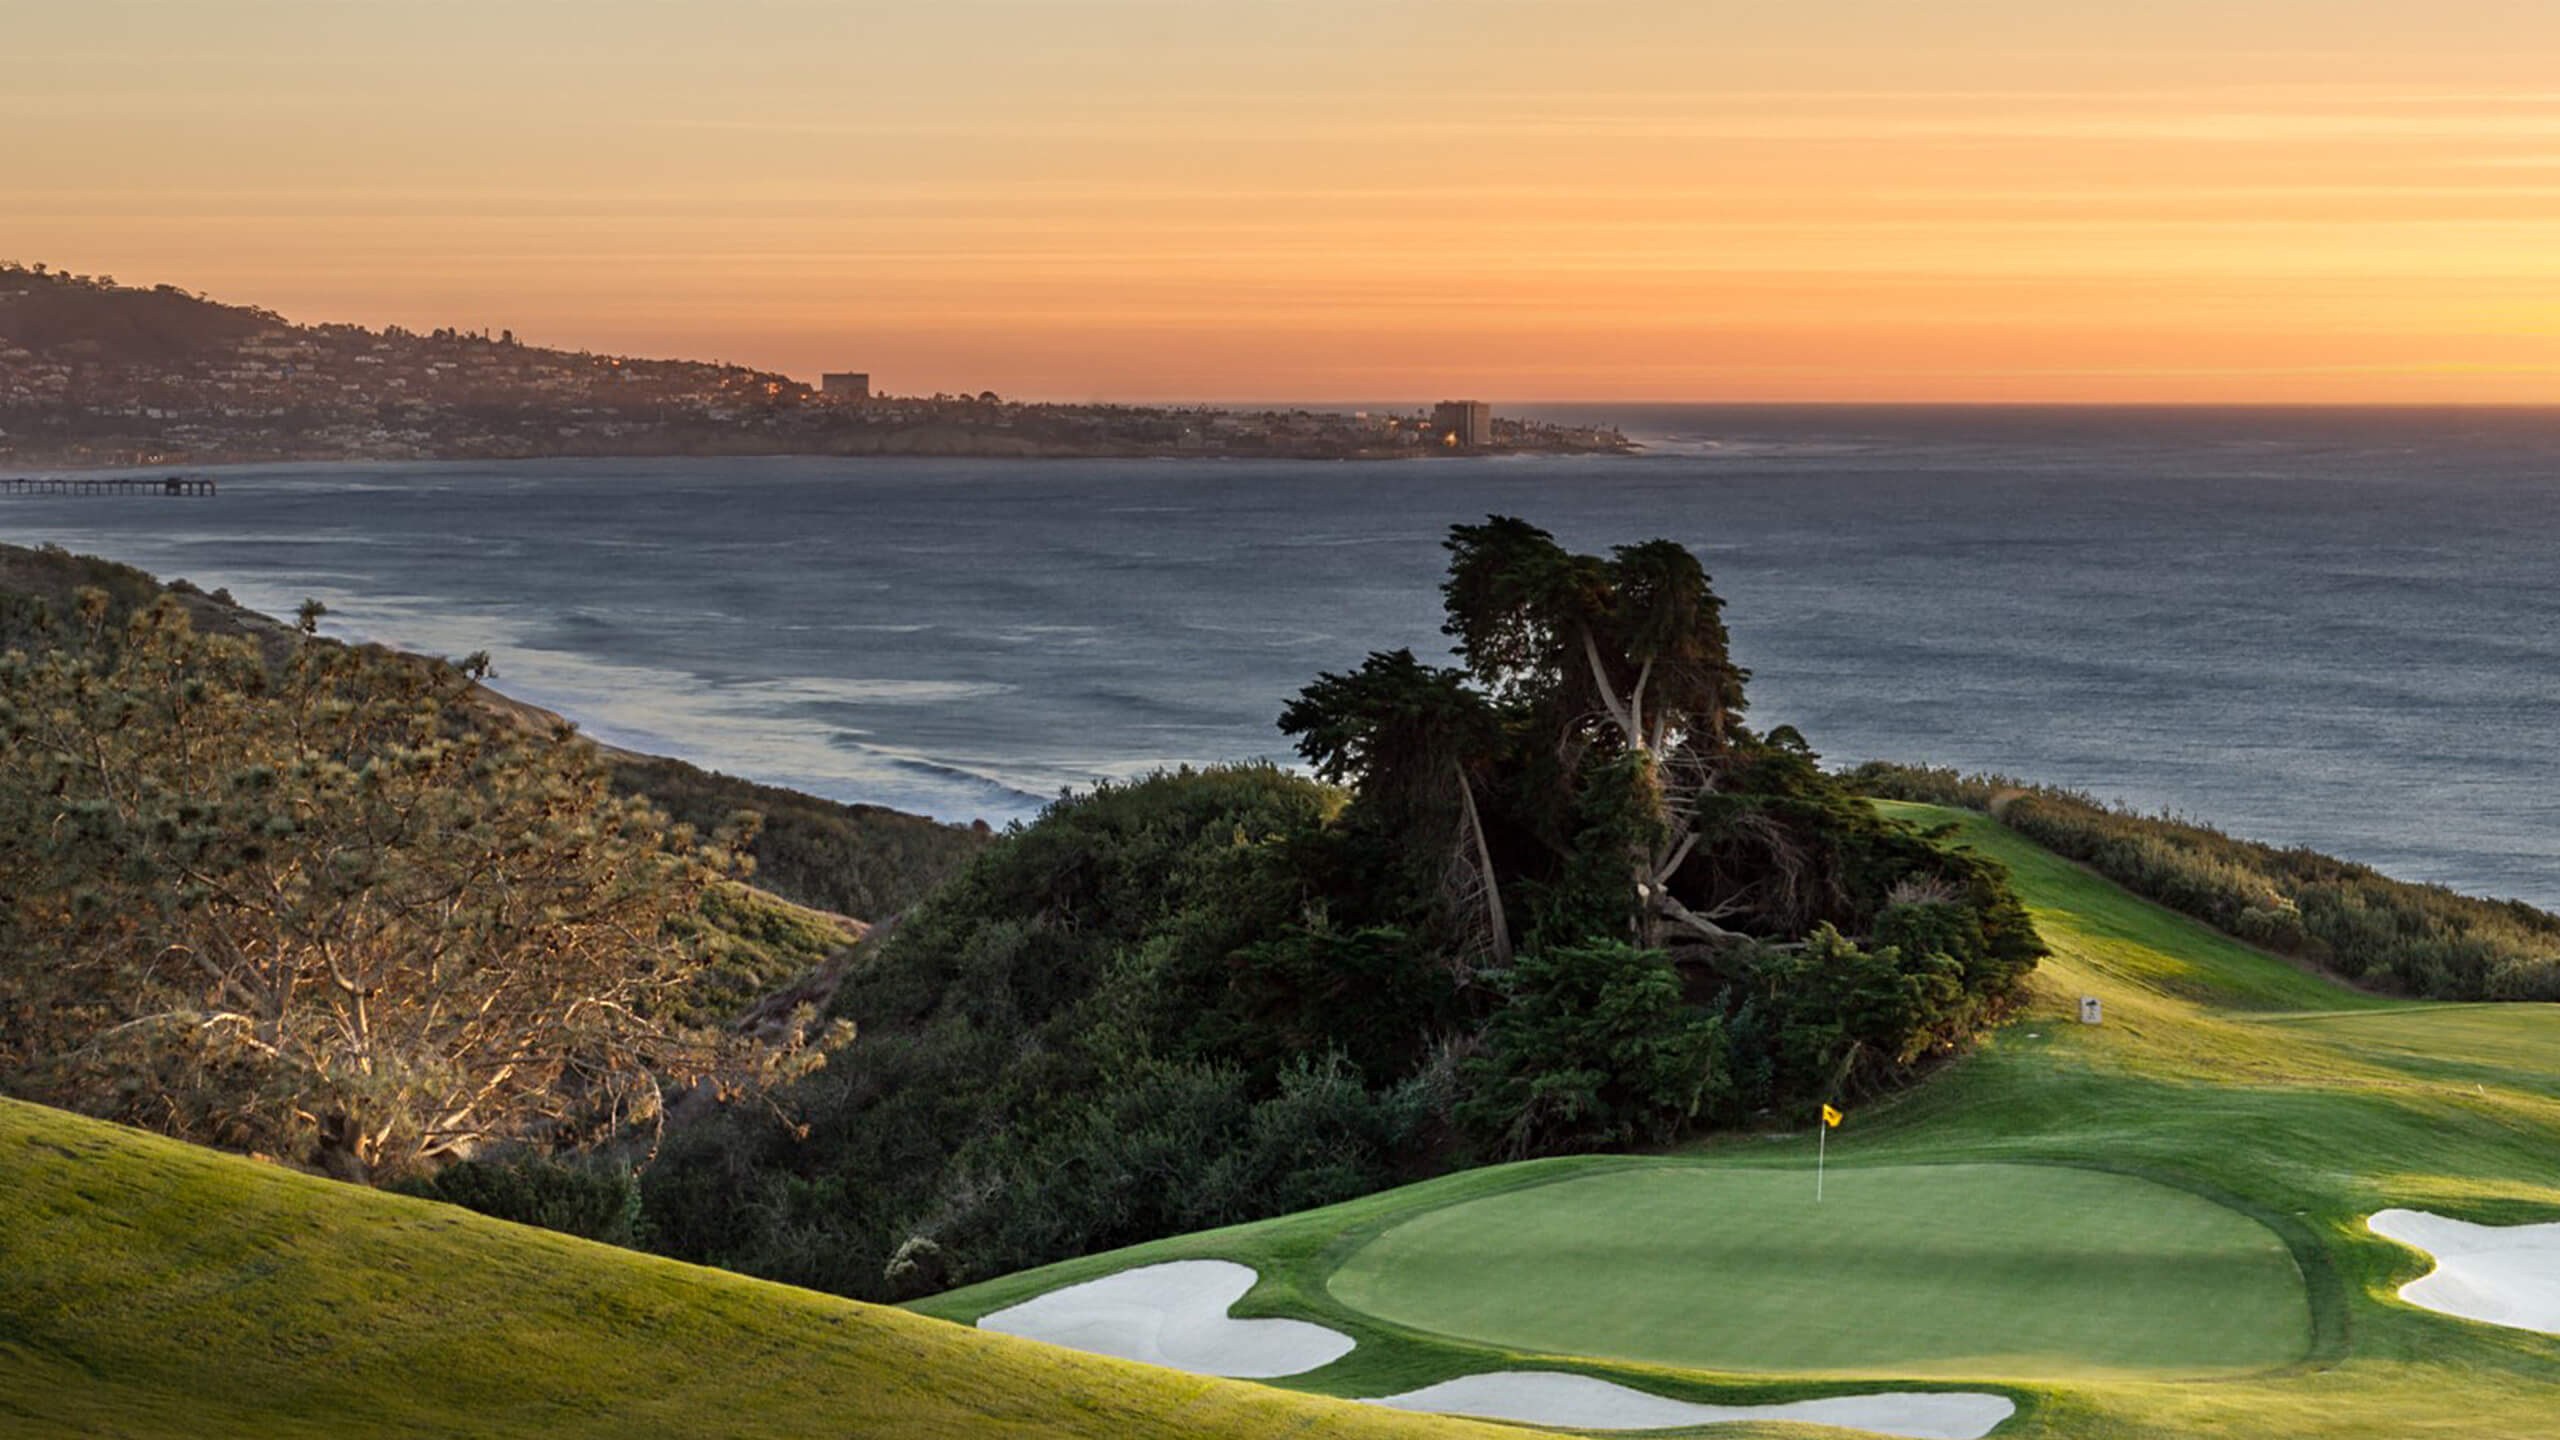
{"x": 2089, "y": 1010}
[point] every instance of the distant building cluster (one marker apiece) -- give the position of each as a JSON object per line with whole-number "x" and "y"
{"x": 1464, "y": 424}
{"x": 97, "y": 373}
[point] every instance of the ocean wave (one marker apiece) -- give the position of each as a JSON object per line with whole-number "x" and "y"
{"x": 803, "y": 690}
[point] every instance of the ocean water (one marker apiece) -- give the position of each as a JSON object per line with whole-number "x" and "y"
{"x": 2334, "y": 628}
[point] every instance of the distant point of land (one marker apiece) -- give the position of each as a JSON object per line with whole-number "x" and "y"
{"x": 94, "y": 373}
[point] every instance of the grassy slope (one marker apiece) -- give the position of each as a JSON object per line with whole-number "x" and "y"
{"x": 2220, "y": 1070}
{"x": 152, "y": 1289}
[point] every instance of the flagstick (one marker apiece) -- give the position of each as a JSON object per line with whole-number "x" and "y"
{"x": 1821, "y": 1147}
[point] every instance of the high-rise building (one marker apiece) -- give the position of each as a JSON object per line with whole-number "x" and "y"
{"x": 845, "y": 385}
{"x": 1463, "y": 424}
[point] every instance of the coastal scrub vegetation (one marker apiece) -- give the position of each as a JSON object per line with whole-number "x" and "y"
{"x": 732, "y": 956}
{"x": 325, "y": 909}
{"x": 40, "y": 586}
{"x": 2349, "y": 919}
{"x": 857, "y": 860}
{"x": 1557, "y": 897}
{"x": 861, "y": 861}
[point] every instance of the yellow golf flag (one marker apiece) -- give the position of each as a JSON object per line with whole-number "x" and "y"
{"x": 1830, "y": 1116}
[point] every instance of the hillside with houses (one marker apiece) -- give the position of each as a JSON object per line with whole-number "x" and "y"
{"x": 97, "y": 373}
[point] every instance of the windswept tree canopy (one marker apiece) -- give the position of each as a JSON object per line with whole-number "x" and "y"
{"x": 1587, "y": 777}
{"x": 1594, "y": 676}
{"x": 1635, "y": 639}
{"x": 1391, "y": 727}
{"x": 1413, "y": 739}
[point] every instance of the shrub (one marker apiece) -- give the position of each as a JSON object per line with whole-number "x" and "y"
{"x": 593, "y": 1200}
{"x": 1592, "y": 1047}
{"x": 324, "y": 911}
{"x": 858, "y": 860}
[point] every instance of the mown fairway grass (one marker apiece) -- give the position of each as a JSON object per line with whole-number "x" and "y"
{"x": 2024, "y": 1271}
{"x": 151, "y": 1289}
{"x": 2222, "y": 1073}
{"x": 2516, "y": 1046}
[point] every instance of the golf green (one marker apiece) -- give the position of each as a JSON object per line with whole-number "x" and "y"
{"x": 2020, "y": 1271}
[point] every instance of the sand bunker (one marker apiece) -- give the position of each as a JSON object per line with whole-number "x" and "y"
{"x": 1173, "y": 1315}
{"x": 1583, "y": 1402}
{"x": 2501, "y": 1274}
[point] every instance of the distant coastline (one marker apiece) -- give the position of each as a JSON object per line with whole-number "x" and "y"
{"x": 97, "y": 375}
{"x": 903, "y": 430}
{"x": 963, "y": 445}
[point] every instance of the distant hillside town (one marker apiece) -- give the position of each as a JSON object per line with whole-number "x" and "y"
{"x": 94, "y": 373}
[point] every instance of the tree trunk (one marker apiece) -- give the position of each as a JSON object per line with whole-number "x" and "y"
{"x": 1489, "y": 887}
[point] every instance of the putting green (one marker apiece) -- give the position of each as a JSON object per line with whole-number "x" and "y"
{"x": 2017, "y": 1271}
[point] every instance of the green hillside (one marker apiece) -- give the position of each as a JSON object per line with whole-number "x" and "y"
{"x": 149, "y": 1288}
{"x": 2245, "y": 1094}
{"x": 2233, "y": 1106}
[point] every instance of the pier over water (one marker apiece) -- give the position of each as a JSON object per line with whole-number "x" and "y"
{"x": 105, "y": 485}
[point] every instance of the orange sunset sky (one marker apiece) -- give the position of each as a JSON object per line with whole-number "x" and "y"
{"x": 2174, "y": 200}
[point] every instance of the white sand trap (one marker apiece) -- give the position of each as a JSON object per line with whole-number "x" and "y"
{"x": 1585, "y": 1402}
{"x": 1175, "y": 1315}
{"x": 2501, "y": 1274}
